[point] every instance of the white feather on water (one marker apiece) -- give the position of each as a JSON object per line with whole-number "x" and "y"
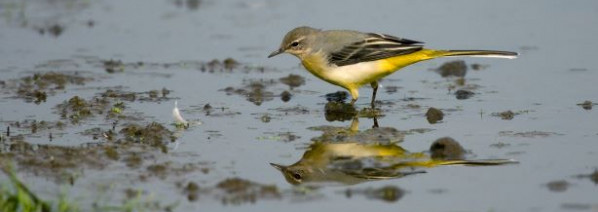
{"x": 176, "y": 114}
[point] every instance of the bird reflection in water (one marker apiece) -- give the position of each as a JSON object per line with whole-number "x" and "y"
{"x": 349, "y": 156}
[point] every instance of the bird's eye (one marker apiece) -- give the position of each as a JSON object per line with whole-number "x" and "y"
{"x": 294, "y": 44}
{"x": 297, "y": 176}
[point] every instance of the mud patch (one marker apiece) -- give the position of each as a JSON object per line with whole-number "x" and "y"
{"x": 292, "y": 81}
{"x": 147, "y": 96}
{"x": 231, "y": 191}
{"x": 153, "y": 134}
{"x": 447, "y": 148}
{"x": 213, "y": 111}
{"x": 558, "y": 186}
{"x": 59, "y": 162}
{"x": 434, "y": 115}
{"x": 38, "y": 87}
{"x": 255, "y": 91}
{"x": 463, "y": 94}
{"x": 508, "y": 115}
{"x": 237, "y": 191}
{"x": 340, "y": 111}
{"x": 169, "y": 168}
{"x": 456, "y": 68}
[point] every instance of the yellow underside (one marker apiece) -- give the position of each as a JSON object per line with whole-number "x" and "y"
{"x": 352, "y": 80}
{"x": 393, "y": 64}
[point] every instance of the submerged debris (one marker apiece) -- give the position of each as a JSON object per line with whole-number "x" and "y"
{"x": 192, "y": 191}
{"x": 434, "y": 115}
{"x": 587, "y": 105}
{"x": 558, "y": 186}
{"x": 38, "y": 87}
{"x": 56, "y": 161}
{"x": 293, "y": 80}
{"x": 227, "y": 64}
{"x": 285, "y": 96}
{"x": 529, "y": 134}
{"x": 113, "y": 66}
{"x": 154, "y": 135}
{"x": 456, "y": 68}
{"x": 254, "y": 91}
{"x": 162, "y": 170}
{"x": 506, "y": 115}
{"x": 54, "y": 30}
{"x": 77, "y": 109}
{"x": 477, "y": 66}
{"x": 238, "y": 191}
{"x": 447, "y": 148}
{"x": 230, "y": 64}
{"x": 265, "y": 118}
{"x": 386, "y": 193}
{"x": 370, "y": 113}
{"x": 339, "y": 111}
{"x": 121, "y": 95}
{"x": 339, "y": 96}
{"x": 390, "y": 89}
{"x": 463, "y": 94}
{"x": 189, "y": 4}
{"x": 151, "y": 95}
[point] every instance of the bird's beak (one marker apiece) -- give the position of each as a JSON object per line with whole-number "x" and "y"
{"x": 277, "y": 166}
{"x": 277, "y": 52}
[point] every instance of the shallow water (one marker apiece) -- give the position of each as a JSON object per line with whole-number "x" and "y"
{"x": 164, "y": 45}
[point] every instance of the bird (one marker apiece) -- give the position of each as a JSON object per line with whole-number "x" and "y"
{"x": 354, "y": 162}
{"x": 351, "y": 59}
{"x": 348, "y": 156}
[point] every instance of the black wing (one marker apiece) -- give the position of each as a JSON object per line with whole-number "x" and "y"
{"x": 374, "y": 47}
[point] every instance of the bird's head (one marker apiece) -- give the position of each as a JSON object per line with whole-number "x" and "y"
{"x": 294, "y": 174}
{"x": 296, "y": 42}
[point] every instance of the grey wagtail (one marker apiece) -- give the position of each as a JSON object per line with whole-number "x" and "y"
{"x": 352, "y": 162}
{"x": 360, "y": 156}
{"x": 351, "y": 59}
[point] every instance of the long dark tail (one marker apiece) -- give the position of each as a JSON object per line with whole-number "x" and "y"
{"x": 433, "y": 163}
{"x": 487, "y": 162}
{"x": 478, "y": 53}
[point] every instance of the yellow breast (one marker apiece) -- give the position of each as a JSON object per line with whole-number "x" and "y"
{"x": 359, "y": 74}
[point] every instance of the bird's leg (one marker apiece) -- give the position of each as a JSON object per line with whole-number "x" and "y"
{"x": 374, "y": 85}
{"x": 354, "y": 95}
